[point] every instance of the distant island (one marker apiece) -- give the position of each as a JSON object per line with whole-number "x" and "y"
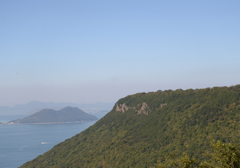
{"x": 35, "y": 106}
{"x": 49, "y": 116}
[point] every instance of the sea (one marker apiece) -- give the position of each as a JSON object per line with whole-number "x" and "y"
{"x": 22, "y": 143}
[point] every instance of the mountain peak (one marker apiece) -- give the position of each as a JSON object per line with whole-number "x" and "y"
{"x": 67, "y": 114}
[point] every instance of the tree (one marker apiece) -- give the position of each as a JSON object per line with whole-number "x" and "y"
{"x": 223, "y": 156}
{"x": 184, "y": 162}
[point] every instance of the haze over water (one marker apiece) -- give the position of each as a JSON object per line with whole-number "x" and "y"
{"x": 22, "y": 143}
{"x": 101, "y": 51}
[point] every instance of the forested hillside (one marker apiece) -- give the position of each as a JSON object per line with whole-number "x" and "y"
{"x": 146, "y": 127}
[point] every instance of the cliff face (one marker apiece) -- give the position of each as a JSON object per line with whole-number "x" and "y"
{"x": 146, "y": 127}
{"x": 144, "y": 109}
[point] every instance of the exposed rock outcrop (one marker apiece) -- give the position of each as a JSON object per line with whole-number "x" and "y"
{"x": 122, "y": 107}
{"x": 143, "y": 110}
{"x": 163, "y": 105}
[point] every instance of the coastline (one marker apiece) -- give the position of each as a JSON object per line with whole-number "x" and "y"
{"x": 46, "y": 122}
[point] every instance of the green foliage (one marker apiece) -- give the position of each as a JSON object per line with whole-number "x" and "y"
{"x": 187, "y": 123}
{"x": 225, "y": 155}
{"x": 184, "y": 162}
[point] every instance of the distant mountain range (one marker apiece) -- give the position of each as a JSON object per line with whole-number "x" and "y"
{"x": 67, "y": 114}
{"x": 35, "y": 106}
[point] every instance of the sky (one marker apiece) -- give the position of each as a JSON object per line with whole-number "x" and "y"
{"x": 88, "y": 51}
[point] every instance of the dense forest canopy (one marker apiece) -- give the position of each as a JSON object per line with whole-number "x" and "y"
{"x": 145, "y": 128}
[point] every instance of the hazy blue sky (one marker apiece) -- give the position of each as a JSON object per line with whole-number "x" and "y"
{"x": 86, "y": 51}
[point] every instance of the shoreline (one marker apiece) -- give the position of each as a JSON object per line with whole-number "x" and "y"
{"x": 47, "y": 122}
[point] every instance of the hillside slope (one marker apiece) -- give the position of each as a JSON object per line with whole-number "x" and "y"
{"x": 67, "y": 114}
{"x": 147, "y": 127}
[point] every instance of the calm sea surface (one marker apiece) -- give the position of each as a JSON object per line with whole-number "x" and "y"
{"x": 22, "y": 143}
